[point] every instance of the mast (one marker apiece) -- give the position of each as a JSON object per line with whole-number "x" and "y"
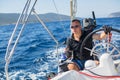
{"x": 73, "y": 9}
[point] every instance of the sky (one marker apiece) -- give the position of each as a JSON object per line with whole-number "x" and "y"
{"x": 102, "y": 8}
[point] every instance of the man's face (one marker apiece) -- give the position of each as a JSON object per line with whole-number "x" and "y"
{"x": 75, "y": 27}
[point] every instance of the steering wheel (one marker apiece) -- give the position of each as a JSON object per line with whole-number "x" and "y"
{"x": 105, "y": 47}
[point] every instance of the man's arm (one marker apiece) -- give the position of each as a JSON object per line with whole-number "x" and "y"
{"x": 99, "y": 36}
{"x": 68, "y": 50}
{"x": 102, "y": 35}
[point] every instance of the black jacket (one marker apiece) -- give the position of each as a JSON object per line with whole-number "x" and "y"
{"x": 74, "y": 46}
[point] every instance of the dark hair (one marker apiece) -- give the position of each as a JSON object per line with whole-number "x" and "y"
{"x": 74, "y": 20}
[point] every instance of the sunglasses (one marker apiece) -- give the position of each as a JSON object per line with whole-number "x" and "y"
{"x": 76, "y": 26}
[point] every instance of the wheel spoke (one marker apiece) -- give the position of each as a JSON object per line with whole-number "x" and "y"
{"x": 107, "y": 47}
{"x": 103, "y": 46}
{"x": 94, "y": 52}
{"x": 113, "y": 50}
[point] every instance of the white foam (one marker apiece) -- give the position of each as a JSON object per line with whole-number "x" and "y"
{"x": 54, "y": 53}
{"x": 47, "y": 66}
{"x": 33, "y": 76}
{"x": 23, "y": 75}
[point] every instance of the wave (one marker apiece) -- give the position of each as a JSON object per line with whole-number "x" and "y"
{"x": 35, "y": 54}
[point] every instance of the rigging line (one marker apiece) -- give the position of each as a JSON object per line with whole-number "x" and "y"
{"x": 59, "y": 17}
{"x": 23, "y": 26}
{"x": 12, "y": 51}
{"x": 26, "y": 11}
{"x": 11, "y": 38}
{"x": 45, "y": 27}
{"x": 57, "y": 43}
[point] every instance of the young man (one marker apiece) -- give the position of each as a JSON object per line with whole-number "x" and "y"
{"x": 74, "y": 44}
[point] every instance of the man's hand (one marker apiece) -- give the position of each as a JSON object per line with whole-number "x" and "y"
{"x": 107, "y": 29}
{"x": 68, "y": 53}
{"x": 101, "y": 36}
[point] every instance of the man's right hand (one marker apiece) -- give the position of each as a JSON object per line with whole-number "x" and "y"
{"x": 68, "y": 53}
{"x": 107, "y": 29}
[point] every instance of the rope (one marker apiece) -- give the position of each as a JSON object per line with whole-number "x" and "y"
{"x": 110, "y": 37}
{"x": 59, "y": 17}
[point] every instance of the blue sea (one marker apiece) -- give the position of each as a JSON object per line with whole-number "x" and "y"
{"x": 35, "y": 54}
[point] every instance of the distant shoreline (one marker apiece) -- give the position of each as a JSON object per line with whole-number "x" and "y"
{"x": 27, "y": 23}
{"x": 11, "y": 18}
{"x": 52, "y": 21}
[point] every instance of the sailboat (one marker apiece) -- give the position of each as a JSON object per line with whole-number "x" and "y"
{"x": 108, "y": 68}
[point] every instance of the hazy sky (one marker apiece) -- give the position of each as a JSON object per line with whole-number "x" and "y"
{"x": 102, "y": 8}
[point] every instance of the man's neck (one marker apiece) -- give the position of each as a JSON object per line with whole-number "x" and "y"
{"x": 77, "y": 36}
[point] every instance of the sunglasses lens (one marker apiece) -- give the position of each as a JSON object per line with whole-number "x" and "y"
{"x": 72, "y": 26}
{"x": 75, "y": 26}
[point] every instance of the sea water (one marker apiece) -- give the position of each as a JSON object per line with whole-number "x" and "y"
{"x": 35, "y": 54}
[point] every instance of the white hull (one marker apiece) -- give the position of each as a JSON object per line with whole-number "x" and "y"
{"x": 74, "y": 75}
{"x": 106, "y": 70}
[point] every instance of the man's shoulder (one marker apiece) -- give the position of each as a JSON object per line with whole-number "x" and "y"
{"x": 86, "y": 31}
{"x": 69, "y": 40}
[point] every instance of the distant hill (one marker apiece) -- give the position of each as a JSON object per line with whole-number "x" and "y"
{"x": 8, "y": 18}
{"x": 115, "y": 14}
{"x": 11, "y": 18}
